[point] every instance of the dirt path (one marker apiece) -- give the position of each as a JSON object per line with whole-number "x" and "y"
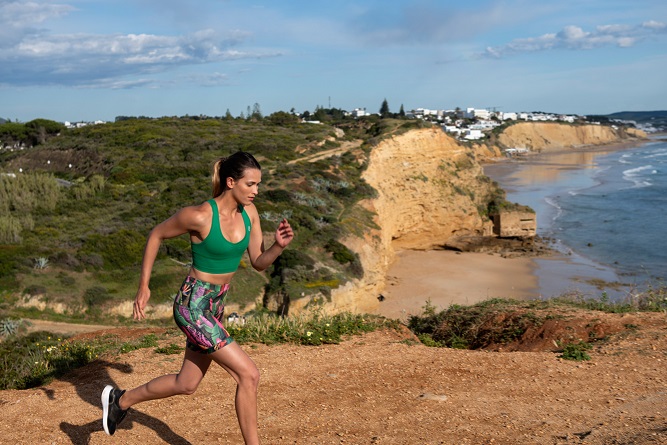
{"x": 380, "y": 388}
{"x": 344, "y": 147}
{"x": 34, "y": 325}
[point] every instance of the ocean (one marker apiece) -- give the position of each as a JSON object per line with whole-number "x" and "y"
{"x": 605, "y": 210}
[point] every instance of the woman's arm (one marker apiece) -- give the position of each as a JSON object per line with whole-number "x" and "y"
{"x": 185, "y": 220}
{"x": 259, "y": 257}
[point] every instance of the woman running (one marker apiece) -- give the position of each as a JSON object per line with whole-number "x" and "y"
{"x": 220, "y": 229}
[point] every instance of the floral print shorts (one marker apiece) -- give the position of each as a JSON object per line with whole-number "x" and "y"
{"x": 198, "y": 311}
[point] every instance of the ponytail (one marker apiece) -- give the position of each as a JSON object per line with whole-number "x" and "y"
{"x": 233, "y": 166}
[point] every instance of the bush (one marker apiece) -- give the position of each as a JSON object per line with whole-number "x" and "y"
{"x": 576, "y": 351}
{"x": 94, "y": 260}
{"x": 67, "y": 260}
{"x": 278, "y": 195}
{"x": 119, "y": 250}
{"x": 96, "y": 296}
{"x": 473, "y": 327}
{"x": 340, "y": 252}
{"x": 34, "y": 290}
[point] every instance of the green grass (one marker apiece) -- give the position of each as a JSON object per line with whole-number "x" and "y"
{"x": 28, "y": 361}
{"x": 36, "y": 359}
{"x": 313, "y": 328}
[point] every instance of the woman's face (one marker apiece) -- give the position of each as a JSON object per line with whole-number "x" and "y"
{"x": 246, "y": 188}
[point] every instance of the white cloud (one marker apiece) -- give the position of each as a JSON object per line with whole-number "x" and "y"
{"x": 18, "y": 14}
{"x": 575, "y": 38}
{"x": 30, "y": 56}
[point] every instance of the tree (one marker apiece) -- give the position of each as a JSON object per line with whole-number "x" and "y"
{"x": 256, "y": 112}
{"x": 401, "y": 112}
{"x": 283, "y": 118}
{"x": 384, "y": 109}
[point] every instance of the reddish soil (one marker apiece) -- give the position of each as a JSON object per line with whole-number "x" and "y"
{"x": 382, "y": 388}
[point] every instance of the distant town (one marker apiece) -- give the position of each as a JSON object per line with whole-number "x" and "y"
{"x": 464, "y": 124}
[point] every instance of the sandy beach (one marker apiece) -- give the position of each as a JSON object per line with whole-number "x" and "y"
{"x": 444, "y": 277}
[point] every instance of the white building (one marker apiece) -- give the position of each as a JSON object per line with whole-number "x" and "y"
{"x": 474, "y": 134}
{"x": 475, "y": 113}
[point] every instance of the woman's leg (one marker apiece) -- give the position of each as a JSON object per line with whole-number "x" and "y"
{"x": 245, "y": 372}
{"x": 186, "y": 381}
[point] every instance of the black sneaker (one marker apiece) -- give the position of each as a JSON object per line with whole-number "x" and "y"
{"x": 112, "y": 414}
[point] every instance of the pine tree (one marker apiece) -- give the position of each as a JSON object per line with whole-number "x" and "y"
{"x": 384, "y": 109}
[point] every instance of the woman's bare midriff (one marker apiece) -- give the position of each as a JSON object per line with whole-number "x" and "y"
{"x": 214, "y": 278}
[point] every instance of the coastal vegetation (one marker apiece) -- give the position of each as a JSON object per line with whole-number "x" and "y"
{"x": 75, "y": 208}
{"x": 88, "y": 198}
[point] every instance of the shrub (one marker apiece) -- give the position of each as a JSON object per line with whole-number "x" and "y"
{"x": 9, "y": 326}
{"x": 34, "y": 290}
{"x": 120, "y": 249}
{"x": 472, "y": 327}
{"x": 93, "y": 260}
{"x": 96, "y": 296}
{"x": 576, "y": 351}
{"x": 278, "y": 195}
{"x": 67, "y": 260}
{"x": 340, "y": 252}
{"x": 10, "y": 229}
{"x": 41, "y": 263}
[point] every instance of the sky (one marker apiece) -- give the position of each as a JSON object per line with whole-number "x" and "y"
{"x": 86, "y": 60}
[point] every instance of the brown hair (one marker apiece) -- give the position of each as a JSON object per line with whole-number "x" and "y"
{"x": 233, "y": 166}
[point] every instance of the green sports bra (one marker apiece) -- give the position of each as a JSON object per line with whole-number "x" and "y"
{"x": 215, "y": 254}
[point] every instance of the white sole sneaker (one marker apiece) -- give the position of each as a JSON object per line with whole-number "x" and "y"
{"x": 105, "y": 407}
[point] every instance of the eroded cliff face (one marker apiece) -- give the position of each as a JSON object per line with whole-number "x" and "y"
{"x": 539, "y": 136}
{"x": 430, "y": 188}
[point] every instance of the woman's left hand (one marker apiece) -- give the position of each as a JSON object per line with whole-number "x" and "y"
{"x": 284, "y": 234}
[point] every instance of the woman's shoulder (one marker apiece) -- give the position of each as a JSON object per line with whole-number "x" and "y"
{"x": 250, "y": 209}
{"x": 198, "y": 212}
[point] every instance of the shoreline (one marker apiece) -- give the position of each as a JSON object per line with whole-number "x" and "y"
{"x": 442, "y": 278}
{"x": 445, "y": 277}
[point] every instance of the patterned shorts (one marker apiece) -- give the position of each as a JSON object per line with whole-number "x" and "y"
{"x": 198, "y": 311}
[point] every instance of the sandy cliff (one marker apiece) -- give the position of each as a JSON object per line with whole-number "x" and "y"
{"x": 539, "y": 136}
{"x": 431, "y": 188}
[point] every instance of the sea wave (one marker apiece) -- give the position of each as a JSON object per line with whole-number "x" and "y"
{"x": 639, "y": 170}
{"x": 657, "y": 154}
{"x": 638, "y": 175}
{"x": 552, "y": 202}
{"x": 624, "y": 158}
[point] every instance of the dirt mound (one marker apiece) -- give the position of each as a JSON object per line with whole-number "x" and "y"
{"x": 380, "y": 388}
{"x": 554, "y": 329}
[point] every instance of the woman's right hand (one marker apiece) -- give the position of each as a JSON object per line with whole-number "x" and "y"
{"x": 140, "y": 303}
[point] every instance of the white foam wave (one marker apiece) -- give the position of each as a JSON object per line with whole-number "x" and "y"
{"x": 554, "y": 204}
{"x": 658, "y": 154}
{"x": 638, "y": 175}
{"x": 637, "y": 171}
